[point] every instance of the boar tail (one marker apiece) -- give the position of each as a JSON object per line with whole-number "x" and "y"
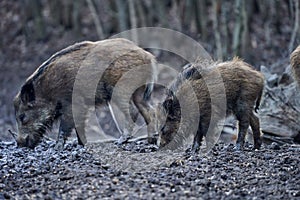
{"x": 258, "y": 100}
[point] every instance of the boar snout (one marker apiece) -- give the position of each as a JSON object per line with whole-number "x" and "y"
{"x": 166, "y": 136}
{"x": 161, "y": 143}
{"x": 27, "y": 141}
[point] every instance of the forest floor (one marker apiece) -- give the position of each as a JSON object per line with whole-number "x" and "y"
{"x": 139, "y": 171}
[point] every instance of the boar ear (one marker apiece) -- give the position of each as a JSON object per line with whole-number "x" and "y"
{"x": 168, "y": 104}
{"x": 27, "y": 93}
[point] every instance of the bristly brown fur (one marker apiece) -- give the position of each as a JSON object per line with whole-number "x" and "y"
{"x": 46, "y": 95}
{"x": 70, "y": 49}
{"x": 243, "y": 88}
{"x": 295, "y": 64}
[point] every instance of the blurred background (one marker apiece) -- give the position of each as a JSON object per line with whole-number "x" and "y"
{"x": 260, "y": 32}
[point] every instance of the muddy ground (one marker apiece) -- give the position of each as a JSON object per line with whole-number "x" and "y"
{"x": 138, "y": 171}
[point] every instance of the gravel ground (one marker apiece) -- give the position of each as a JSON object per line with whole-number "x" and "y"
{"x": 139, "y": 171}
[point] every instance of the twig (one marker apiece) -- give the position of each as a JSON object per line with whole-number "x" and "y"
{"x": 13, "y": 134}
{"x": 48, "y": 138}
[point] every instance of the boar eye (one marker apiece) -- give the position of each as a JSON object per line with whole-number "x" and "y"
{"x": 163, "y": 129}
{"x": 22, "y": 118}
{"x": 30, "y": 105}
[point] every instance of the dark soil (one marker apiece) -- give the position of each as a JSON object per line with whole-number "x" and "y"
{"x": 140, "y": 171}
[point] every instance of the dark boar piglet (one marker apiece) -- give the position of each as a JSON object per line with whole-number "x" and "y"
{"x": 243, "y": 90}
{"x": 46, "y": 96}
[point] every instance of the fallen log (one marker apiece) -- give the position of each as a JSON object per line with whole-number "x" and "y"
{"x": 280, "y": 108}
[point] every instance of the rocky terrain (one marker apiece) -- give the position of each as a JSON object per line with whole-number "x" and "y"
{"x": 139, "y": 171}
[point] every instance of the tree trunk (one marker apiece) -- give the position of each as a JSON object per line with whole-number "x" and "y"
{"x": 216, "y": 30}
{"x": 96, "y": 19}
{"x": 33, "y": 10}
{"x": 122, "y": 14}
{"x": 241, "y": 35}
{"x": 133, "y": 20}
{"x": 141, "y": 13}
{"x": 237, "y": 27}
{"x": 201, "y": 18}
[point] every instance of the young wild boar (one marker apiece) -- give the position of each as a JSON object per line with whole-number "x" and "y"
{"x": 295, "y": 64}
{"x": 243, "y": 90}
{"x": 46, "y": 95}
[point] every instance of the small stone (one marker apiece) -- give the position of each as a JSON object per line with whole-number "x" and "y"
{"x": 275, "y": 146}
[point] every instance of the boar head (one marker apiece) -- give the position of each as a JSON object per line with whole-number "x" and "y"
{"x": 168, "y": 117}
{"x": 33, "y": 115}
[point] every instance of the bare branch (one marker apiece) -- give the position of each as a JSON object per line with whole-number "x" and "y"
{"x": 14, "y": 135}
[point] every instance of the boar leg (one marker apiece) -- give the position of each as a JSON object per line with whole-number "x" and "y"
{"x": 80, "y": 127}
{"x": 126, "y": 134}
{"x": 254, "y": 123}
{"x": 243, "y": 119}
{"x": 123, "y": 138}
{"x": 65, "y": 129}
{"x": 198, "y": 139}
{"x": 67, "y": 125}
{"x": 145, "y": 110}
{"x": 134, "y": 113}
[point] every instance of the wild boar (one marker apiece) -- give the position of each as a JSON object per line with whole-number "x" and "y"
{"x": 243, "y": 90}
{"x": 295, "y": 64}
{"x": 46, "y": 96}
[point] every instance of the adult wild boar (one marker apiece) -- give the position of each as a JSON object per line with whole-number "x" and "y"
{"x": 243, "y": 91}
{"x": 295, "y": 64}
{"x": 46, "y": 96}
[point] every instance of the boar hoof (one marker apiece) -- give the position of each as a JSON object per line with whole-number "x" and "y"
{"x": 257, "y": 144}
{"x": 122, "y": 140}
{"x": 238, "y": 147}
{"x": 152, "y": 140}
{"x": 177, "y": 162}
{"x": 195, "y": 148}
{"x": 59, "y": 146}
